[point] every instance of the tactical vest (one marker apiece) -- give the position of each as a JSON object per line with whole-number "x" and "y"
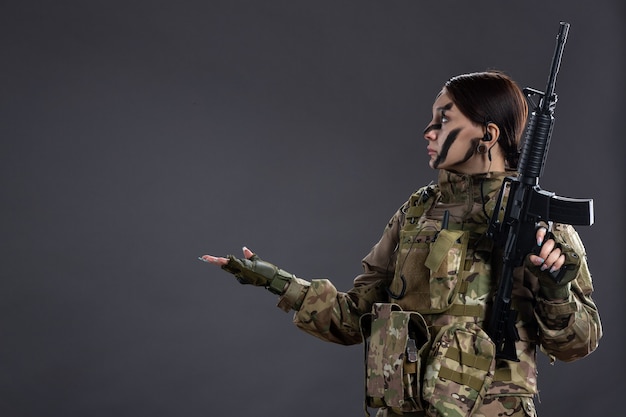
{"x": 436, "y": 347}
{"x": 440, "y": 270}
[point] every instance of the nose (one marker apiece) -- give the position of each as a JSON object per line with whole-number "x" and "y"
{"x": 430, "y": 132}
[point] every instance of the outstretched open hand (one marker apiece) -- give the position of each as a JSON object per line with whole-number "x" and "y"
{"x": 221, "y": 261}
{"x": 252, "y": 270}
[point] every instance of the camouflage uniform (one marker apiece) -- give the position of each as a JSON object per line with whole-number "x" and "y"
{"x": 444, "y": 294}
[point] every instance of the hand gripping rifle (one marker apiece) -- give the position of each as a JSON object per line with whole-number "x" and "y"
{"x": 527, "y": 204}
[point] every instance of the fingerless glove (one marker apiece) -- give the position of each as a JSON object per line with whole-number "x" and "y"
{"x": 255, "y": 271}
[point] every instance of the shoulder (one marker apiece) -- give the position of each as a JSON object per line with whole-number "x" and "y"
{"x": 415, "y": 205}
{"x": 420, "y": 198}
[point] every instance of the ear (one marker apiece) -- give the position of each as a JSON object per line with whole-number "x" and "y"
{"x": 493, "y": 130}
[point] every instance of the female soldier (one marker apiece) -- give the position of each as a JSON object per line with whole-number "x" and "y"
{"x": 423, "y": 300}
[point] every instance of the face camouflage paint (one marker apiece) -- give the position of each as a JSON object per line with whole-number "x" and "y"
{"x": 435, "y": 126}
{"x": 472, "y": 149}
{"x": 446, "y": 146}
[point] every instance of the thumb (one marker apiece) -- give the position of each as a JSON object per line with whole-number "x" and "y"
{"x": 247, "y": 253}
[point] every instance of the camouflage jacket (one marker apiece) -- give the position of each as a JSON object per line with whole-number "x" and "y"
{"x": 395, "y": 271}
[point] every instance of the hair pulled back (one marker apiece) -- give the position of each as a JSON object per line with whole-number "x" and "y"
{"x": 492, "y": 97}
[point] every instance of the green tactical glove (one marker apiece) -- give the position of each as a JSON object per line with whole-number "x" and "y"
{"x": 255, "y": 271}
{"x": 556, "y": 285}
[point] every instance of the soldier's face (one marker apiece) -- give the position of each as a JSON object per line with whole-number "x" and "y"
{"x": 452, "y": 138}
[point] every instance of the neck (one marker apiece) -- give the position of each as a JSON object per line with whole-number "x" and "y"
{"x": 484, "y": 164}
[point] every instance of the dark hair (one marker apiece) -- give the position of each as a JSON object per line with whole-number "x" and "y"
{"x": 492, "y": 97}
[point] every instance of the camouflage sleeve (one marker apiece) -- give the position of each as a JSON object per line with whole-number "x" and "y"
{"x": 570, "y": 329}
{"x": 334, "y": 316}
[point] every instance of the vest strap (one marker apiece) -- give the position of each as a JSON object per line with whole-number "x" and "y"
{"x": 462, "y": 379}
{"x": 465, "y": 310}
{"x": 502, "y": 374}
{"x": 468, "y": 359}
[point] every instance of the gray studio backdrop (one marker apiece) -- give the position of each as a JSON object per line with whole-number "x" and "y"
{"x": 138, "y": 135}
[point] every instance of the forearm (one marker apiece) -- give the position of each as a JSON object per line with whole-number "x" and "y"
{"x": 570, "y": 329}
{"x": 334, "y": 316}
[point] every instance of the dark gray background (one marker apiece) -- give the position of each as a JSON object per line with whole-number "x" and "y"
{"x": 138, "y": 135}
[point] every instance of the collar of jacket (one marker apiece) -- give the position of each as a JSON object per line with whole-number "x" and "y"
{"x": 468, "y": 198}
{"x": 463, "y": 188}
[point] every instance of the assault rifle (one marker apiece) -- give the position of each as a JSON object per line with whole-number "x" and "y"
{"x": 527, "y": 204}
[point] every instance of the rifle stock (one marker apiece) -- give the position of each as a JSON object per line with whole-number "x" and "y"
{"x": 527, "y": 205}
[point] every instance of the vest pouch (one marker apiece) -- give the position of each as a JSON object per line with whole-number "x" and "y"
{"x": 459, "y": 370}
{"x": 410, "y": 286}
{"x": 393, "y": 358}
{"x": 445, "y": 262}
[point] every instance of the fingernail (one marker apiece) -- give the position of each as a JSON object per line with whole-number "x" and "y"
{"x": 202, "y": 259}
{"x": 539, "y": 241}
{"x": 552, "y": 269}
{"x": 544, "y": 267}
{"x": 539, "y": 261}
